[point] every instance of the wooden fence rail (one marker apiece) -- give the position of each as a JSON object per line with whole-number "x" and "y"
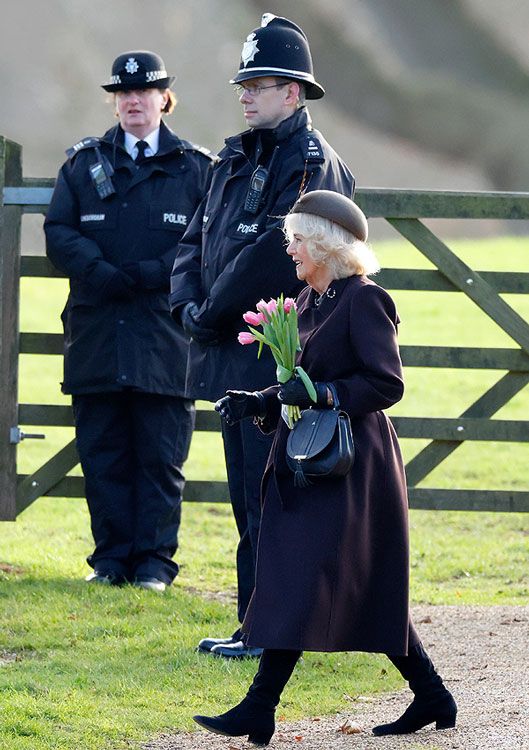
{"x": 403, "y": 209}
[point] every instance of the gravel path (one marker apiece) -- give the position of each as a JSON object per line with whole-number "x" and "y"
{"x": 483, "y": 655}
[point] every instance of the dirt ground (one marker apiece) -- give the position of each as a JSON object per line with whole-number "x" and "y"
{"x": 483, "y": 655}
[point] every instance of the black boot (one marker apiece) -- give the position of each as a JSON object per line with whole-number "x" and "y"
{"x": 248, "y": 717}
{"x": 254, "y": 715}
{"x": 432, "y": 701}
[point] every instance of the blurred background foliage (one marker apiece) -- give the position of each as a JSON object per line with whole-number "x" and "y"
{"x": 428, "y": 94}
{"x": 420, "y": 93}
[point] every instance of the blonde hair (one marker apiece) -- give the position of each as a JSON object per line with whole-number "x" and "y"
{"x": 171, "y": 101}
{"x": 332, "y": 245}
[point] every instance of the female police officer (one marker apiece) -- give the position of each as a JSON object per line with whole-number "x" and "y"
{"x": 120, "y": 206}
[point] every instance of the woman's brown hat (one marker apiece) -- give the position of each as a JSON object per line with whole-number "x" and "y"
{"x": 335, "y": 207}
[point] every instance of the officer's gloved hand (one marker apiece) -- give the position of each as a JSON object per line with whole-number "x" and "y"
{"x": 133, "y": 270}
{"x": 237, "y": 405}
{"x": 294, "y": 393}
{"x": 190, "y": 325}
{"x": 147, "y": 274}
{"x": 119, "y": 288}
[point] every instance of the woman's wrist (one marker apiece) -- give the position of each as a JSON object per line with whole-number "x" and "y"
{"x": 324, "y": 397}
{"x": 261, "y": 404}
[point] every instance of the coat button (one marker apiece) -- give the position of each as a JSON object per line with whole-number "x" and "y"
{"x": 124, "y": 205}
{"x": 123, "y": 377}
{"x": 202, "y": 385}
{"x": 121, "y": 322}
{"x": 206, "y": 264}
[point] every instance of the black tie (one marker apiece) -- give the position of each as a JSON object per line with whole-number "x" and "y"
{"x": 141, "y": 146}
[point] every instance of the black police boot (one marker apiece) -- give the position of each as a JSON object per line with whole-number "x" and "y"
{"x": 236, "y": 650}
{"x": 432, "y": 701}
{"x": 206, "y": 644}
{"x": 105, "y": 578}
{"x": 254, "y": 715}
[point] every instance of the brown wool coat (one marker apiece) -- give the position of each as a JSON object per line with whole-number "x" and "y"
{"x": 332, "y": 563}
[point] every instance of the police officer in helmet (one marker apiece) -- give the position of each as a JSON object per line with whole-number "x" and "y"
{"x": 121, "y": 204}
{"x": 232, "y": 255}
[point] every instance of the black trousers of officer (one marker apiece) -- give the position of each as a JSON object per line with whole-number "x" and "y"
{"x": 246, "y": 450}
{"x": 132, "y": 446}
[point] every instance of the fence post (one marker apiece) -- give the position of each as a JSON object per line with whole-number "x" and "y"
{"x": 10, "y": 219}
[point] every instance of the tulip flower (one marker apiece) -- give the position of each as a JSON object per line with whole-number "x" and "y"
{"x": 279, "y": 321}
{"x": 254, "y": 319}
{"x": 245, "y": 338}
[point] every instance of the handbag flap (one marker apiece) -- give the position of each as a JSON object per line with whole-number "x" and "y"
{"x": 312, "y": 432}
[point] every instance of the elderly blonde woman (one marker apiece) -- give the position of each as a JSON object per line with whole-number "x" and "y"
{"x": 332, "y": 563}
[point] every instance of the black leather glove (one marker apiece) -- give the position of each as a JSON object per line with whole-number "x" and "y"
{"x": 134, "y": 271}
{"x": 119, "y": 288}
{"x": 147, "y": 274}
{"x": 294, "y": 393}
{"x": 194, "y": 329}
{"x": 237, "y": 405}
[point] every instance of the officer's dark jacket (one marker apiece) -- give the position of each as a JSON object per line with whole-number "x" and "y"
{"x": 230, "y": 258}
{"x": 109, "y": 345}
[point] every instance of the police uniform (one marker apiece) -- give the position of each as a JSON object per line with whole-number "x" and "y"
{"x": 230, "y": 257}
{"x": 124, "y": 356}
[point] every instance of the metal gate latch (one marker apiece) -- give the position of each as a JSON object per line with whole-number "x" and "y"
{"x": 16, "y": 435}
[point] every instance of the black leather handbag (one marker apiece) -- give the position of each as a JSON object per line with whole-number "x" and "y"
{"x": 320, "y": 444}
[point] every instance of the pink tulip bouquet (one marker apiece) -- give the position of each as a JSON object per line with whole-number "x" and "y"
{"x": 278, "y": 320}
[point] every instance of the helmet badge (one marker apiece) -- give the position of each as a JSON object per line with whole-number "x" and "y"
{"x": 266, "y": 18}
{"x": 249, "y": 49}
{"x": 131, "y": 65}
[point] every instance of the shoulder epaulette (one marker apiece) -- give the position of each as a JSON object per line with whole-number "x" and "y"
{"x": 85, "y": 143}
{"x": 200, "y": 149}
{"x": 312, "y": 150}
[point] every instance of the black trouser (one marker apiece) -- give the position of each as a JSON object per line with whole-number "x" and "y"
{"x": 246, "y": 450}
{"x": 132, "y": 446}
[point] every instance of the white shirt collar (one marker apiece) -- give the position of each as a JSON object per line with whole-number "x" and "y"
{"x": 153, "y": 139}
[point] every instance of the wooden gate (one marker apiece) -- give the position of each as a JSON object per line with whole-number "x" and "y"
{"x": 403, "y": 209}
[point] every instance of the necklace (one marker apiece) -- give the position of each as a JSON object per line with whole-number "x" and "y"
{"x": 329, "y": 292}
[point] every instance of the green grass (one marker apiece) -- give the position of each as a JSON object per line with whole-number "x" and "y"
{"x": 99, "y": 668}
{"x": 94, "y": 669}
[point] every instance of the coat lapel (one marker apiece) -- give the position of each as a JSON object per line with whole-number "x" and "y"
{"x": 315, "y": 310}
